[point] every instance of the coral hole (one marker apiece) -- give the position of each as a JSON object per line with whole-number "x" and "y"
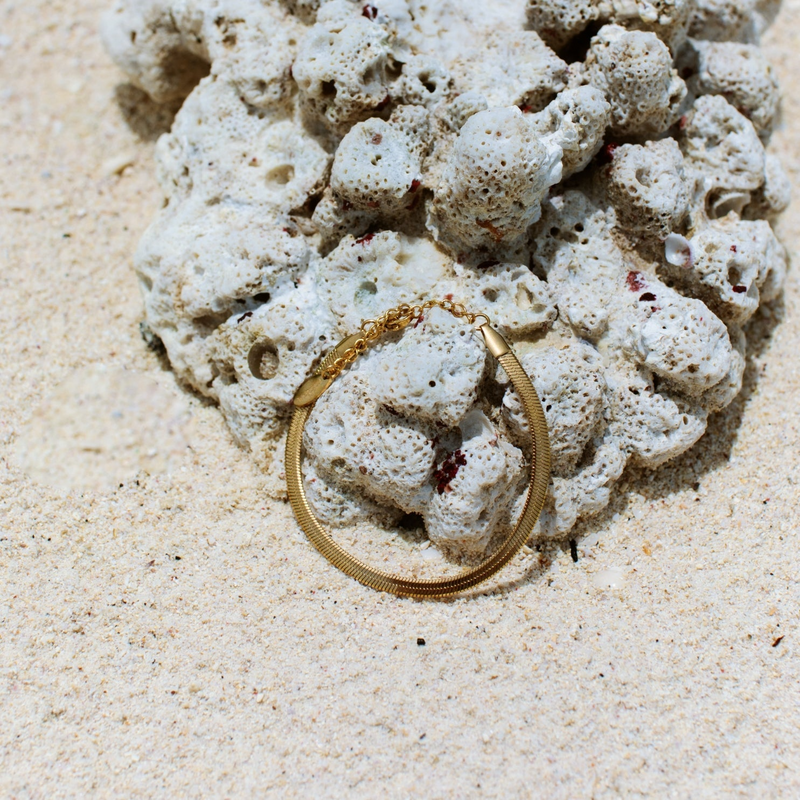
{"x": 425, "y": 80}
{"x": 263, "y": 360}
{"x": 523, "y": 299}
{"x": 643, "y": 177}
{"x": 367, "y": 288}
{"x": 281, "y": 175}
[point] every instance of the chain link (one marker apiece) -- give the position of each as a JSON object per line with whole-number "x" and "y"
{"x": 395, "y": 319}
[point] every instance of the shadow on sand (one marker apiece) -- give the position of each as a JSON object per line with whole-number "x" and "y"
{"x": 712, "y": 452}
{"x": 146, "y": 119}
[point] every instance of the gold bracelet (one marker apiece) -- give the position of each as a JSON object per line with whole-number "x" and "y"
{"x": 344, "y": 354}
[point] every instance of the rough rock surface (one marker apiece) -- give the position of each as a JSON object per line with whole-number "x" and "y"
{"x": 609, "y": 205}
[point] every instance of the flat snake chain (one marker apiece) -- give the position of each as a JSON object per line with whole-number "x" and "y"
{"x": 332, "y": 366}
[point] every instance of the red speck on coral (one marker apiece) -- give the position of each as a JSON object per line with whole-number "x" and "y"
{"x": 647, "y": 297}
{"x": 364, "y": 239}
{"x": 369, "y": 11}
{"x": 448, "y": 471}
{"x": 740, "y": 289}
{"x": 734, "y": 248}
{"x": 377, "y": 138}
{"x": 683, "y": 122}
{"x": 607, "y": 153}
{"x": 635, "y": 281}
{"x": 383, "y": 103}
{"x": 420, "y": 318}
{"x": 525, "y": 108}
{"x": 415, "y": 184}
{"x": 496, "y": 233}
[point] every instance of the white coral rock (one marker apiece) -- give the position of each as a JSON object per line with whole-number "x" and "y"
{"x": 432, "y": 373}
{"x": 723, "y": 20}
{"x": 721, "y": 395}
{"x": 731, "y": 263}
{"x": 363, "y": 277}
{"x": 649, "y": 187}
{"x": 376, "y": 168}
{"x": 167, "y": 46}
{"x": 161, "y": 51}
{"x": 517, "y": 302}
{"x": 651, "y": 425}
{"x": 577, "y": 119}
{"x": 198, "y": 265}
{"x": 585, "y": 492}
{"x": 424, "y": 81}
{"x": 668, "y": 19}
{"x": 260, "y": 358}
{"x": 558, "y": 21}
{"x": 679, "y": 339}
{"x": 333, "y": 159}
{"x": 343, "y": 72}
{"x": 357, "y": 443}
{"x": 493, "y": 184}
{"x": 742, "y": 75}
{"x": 635, "y": 72}
{"x": 465, "y": 510}
{"x": 723, "y": 147}
{"x": 338, "y": 505}
{"x": 774, "y": 196}
{"x": 511, "y": 68}
{"x": 571, "y": 388}
{"x": 220, "y": 150}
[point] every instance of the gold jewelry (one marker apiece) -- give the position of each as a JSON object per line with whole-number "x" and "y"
{"x": 344, "y": 354}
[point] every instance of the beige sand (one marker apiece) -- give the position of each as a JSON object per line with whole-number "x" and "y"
{"x": 164, "y": 630}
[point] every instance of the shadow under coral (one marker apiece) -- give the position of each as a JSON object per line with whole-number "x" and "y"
{"x": 145, "y": 118}
{"x": 713, "y": 450}
{"x": 710, "y": 453}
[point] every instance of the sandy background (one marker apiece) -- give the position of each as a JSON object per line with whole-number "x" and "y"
{"x": 166, "y": 630}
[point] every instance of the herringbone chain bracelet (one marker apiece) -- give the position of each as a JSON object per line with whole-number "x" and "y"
{"x": 344, "y": 354}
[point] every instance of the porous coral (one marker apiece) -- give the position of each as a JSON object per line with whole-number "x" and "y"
{"x": 594, "y": 175}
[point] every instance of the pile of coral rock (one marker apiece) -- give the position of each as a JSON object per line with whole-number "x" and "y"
{"x": 593, "y": 174}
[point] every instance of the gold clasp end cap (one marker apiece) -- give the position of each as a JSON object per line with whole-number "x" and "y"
{"x": 311, "y": 390}
{"x": 495, "y": 343}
